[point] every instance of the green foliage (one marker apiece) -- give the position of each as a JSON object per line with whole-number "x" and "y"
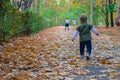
{"x": 33, "y": 22}
{"x": 10, "y": 21}
{"x": 15, "y": 23}
{"x": 110, "y": 7}
{"x": 46, "y": 14}
{"x": 4, "y": 1}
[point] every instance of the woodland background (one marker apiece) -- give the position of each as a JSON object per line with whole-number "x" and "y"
{"x": 25, "y": 17}
{"x": 35, "y": 46}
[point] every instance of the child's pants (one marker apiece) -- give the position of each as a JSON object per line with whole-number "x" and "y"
{"x": 88, "y": 46}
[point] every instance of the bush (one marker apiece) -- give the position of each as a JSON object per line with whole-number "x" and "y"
{"x": 11, "y": 21}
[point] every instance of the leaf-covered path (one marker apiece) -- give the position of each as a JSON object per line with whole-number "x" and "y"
{"x": 51, "y": 55}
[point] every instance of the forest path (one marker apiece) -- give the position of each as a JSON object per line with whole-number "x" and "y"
{"x": 51, "y": 55}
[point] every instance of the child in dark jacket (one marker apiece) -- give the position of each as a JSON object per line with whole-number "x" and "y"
{"x": 84, "y": 31}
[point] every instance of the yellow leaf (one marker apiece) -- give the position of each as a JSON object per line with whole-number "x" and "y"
{"x": 84, "y": 63}
{"x": 113, "y": 73}
{"x": 72, "y": 63}
{"x": 103, "y": 61}
{"x": 100, "y": 46}
{"x": 117, "y": 65}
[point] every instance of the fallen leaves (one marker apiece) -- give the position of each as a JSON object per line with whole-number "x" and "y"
{"x": 72, "y": 63}
{"x": 113, "y": 73}
{"x": 18, "y": 76}
{"x": 103, "y": 61}
{"x": 51, "y": 55}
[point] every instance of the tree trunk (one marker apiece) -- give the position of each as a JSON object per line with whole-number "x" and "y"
{"x": 0, "y": 6}
{"x": 107, "y": 22}
{"x": 106, "y": 14}
{"x": 117, "y": 19}
{"x": 111, "y": 15}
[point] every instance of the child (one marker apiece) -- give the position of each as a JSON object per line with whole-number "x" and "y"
{"x": 85, "y": 36}
{"x": 67, "y": 23}
{"x": 74, "y": 22}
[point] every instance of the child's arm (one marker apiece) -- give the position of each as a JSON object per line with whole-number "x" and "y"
{"x": 74, "y": 34}
{"x": 95, "y": 31}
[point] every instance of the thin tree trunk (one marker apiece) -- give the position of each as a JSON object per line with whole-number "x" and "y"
{"x": 106, "y": 13}
{"x": 111, "y": 15}
{"x": 107, "y": 22}
{"x": 112, "y": 22}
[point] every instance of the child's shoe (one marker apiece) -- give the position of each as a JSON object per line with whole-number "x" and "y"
{"x": 87, "y": 57}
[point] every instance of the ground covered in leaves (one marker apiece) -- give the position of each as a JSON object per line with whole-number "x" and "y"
{"x": 51, "y": 55}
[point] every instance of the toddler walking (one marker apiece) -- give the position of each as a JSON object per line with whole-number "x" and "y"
{"x": 84, "y": 31}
